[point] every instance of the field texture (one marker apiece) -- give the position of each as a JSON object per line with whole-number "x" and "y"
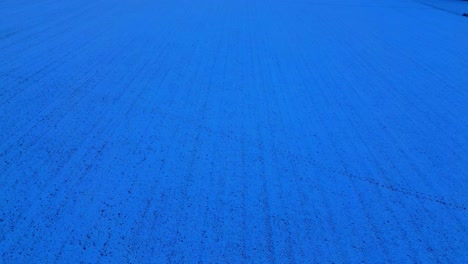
{"x": 233, "y": 131}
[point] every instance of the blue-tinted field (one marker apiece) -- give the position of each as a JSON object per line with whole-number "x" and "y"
{"x": 233, "y": 131}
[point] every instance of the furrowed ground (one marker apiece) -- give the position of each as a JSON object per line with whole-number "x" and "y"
{"x": 152, "y": 131}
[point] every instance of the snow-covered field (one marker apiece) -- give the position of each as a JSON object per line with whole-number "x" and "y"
{"x": 233, "y": 131}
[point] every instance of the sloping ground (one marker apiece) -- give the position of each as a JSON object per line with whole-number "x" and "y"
{"x": 232, "y": 131}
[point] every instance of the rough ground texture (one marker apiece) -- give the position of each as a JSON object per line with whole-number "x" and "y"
{"x": 233, "y": 131}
